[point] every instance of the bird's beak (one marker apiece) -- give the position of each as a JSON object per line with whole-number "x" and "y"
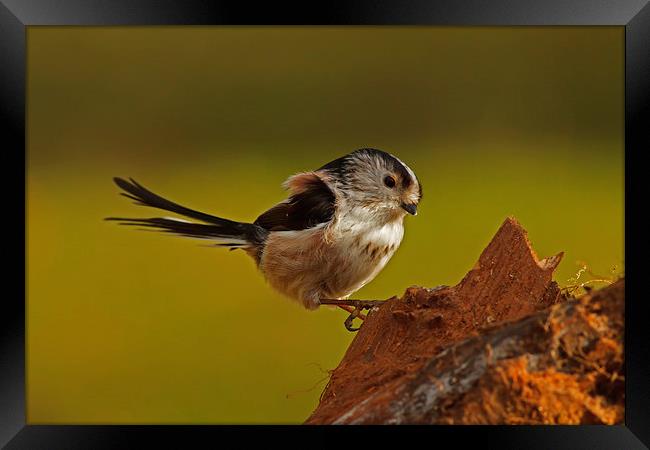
{"x": 410, "y": 208}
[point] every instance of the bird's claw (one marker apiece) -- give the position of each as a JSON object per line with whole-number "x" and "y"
{"x": 350, "y": 319}
{"x": 358, "y": 305}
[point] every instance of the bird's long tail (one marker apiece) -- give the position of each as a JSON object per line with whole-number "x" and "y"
{"x": 224, "y": 232}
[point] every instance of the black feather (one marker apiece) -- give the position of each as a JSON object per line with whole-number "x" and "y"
{"x": 145, "y": 197}
{"x": 275, "y": 219}
{"x": 197, "y": 230}
{"x": 214, "y": 228}
{"x": 312, "y": 206}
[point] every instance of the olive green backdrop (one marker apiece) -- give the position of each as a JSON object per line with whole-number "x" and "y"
{"x": 133, "y": 327}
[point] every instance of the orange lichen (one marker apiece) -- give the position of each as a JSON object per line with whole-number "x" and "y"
{"x": 511, "y": 394}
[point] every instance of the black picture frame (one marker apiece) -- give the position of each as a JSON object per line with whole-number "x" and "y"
{"x": 16, "y": 15}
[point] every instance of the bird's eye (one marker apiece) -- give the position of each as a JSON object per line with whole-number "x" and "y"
{"x": 389, "y": 181}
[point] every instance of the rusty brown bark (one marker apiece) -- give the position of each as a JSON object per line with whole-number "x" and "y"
{"x": 502, "y": 346}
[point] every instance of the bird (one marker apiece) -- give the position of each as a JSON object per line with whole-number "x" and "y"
{"x": 336, "y": 230}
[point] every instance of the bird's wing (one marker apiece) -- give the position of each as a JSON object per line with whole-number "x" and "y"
{"x": 311, "y": 203}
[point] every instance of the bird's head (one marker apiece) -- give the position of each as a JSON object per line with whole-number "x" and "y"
{"x": 377, "y": 181}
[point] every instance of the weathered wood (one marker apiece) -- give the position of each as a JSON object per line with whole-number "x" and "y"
{"x": 496, "y": 348}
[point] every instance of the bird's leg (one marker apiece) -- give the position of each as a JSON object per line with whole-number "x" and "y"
{"x": 351, "y": 309}
{"x": 361, "y": 304}
{"x": 354, "y": 307}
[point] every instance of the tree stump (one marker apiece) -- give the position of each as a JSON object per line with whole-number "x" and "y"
{"x": 504, "y": 346}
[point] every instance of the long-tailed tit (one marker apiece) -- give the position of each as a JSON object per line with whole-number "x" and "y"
{"x": 336, "y": 231}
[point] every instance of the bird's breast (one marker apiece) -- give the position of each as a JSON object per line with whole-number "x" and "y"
{"x": 372, "y": 243}
{"x": 364, "y": 251}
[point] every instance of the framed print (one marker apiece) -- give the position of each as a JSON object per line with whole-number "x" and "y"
{"x": 454, "y": 245}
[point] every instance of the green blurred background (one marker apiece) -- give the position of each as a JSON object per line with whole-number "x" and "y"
{"x": 133, "y": 327}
